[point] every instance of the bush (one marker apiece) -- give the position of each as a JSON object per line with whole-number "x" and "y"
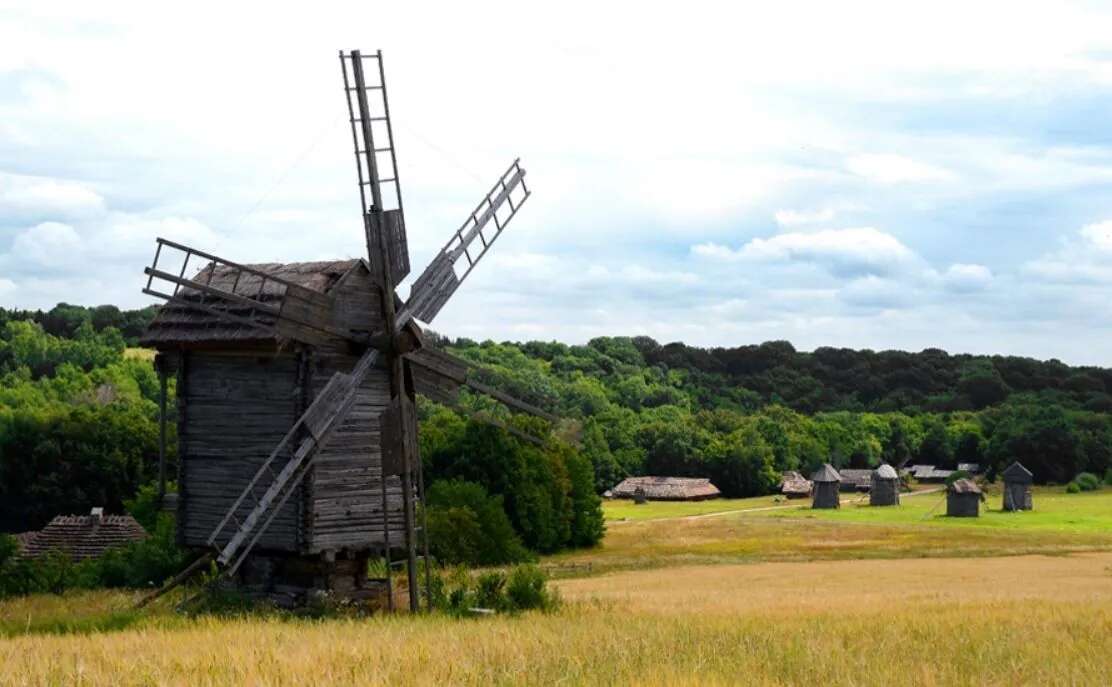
{"x": 525, "y": 588}
{"x": 1073, "y": 488}
{"x": 469, "y": 526}
{"x": 1108, "y": 477}
{"x": 1087, "y": 481}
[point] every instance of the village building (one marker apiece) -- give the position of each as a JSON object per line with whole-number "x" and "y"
{"x": 82, "y": 536}
{"x": 1017, "y": 487}
{"x": 827, "y": 483}
{"x": 853, "y": 479}
{"x": 885, "y": 489}
{"x": 929, "y": 473}
{"x": 666, "y": 489}
{"x": 794, "y": 485}
{"x": 963, "y": 499}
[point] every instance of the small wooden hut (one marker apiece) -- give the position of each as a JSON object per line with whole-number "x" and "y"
{"x": 885, "y": 490}
{"x": 827, "y": 482}
{"x": 853, "y": 479}
{"x": 963, "y": 499}
{"x": 666, "y": 489}
{"x": 82, "y": 536}
{"x": 794, "y": 486}
{"x": 1017, "y": 487}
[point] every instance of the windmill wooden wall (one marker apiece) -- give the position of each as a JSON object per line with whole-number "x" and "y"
{"x": 239, "y": 392}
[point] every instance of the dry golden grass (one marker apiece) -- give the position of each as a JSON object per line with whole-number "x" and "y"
{"x": 1023, "y": 620}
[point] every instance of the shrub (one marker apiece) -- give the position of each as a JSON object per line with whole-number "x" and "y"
{"x": 1073, "y": 488}
{"x": 1087, "y": 481}
{"x": 469, "y": 526}
{"x": 490, "y": 591}
{"x": 527, "y": 589}
{"x": 524, "y": 588}
{"x": 1108, "y": 477}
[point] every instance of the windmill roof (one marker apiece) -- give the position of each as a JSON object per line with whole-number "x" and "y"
{"x": 1017, "y": 473}
{"x": 965, "y": 486}
{"x": 667, "y": 488}
{"x": 177, "y": 323}
{"x": 83, "y": 536}
{"x": 885, "y": 471}
{"x": 826, "y": 473}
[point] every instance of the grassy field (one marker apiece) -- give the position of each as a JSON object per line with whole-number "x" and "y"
{"x": 758, "y": 597}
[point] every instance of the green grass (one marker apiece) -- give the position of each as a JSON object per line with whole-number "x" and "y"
{"x": 1055, "y": 511}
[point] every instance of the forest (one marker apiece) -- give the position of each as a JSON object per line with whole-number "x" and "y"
{"x": 78, "y": 423}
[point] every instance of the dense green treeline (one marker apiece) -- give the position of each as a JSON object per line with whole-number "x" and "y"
{"x": 741, "y": 416}
{"x": 63, "y": 320}
{"x": 78, "y": 423}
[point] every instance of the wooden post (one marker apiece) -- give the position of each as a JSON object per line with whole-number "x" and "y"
{"x": 374, "y": 218}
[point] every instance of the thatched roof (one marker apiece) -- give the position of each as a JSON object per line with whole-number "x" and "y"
{"x": 964, "y": 486}
{"x": 885, "y": 471}
{"x": 858, "y": 479}
{"x": 667, "y": 488}
{"x": 84, "y": 536}
{"x": 176, "y": 323}
{"x": 794, "y": 484}
{"x": 1017, "y": 473}
{"x": 826, "y": 473}
{"x": 929, "y": 472}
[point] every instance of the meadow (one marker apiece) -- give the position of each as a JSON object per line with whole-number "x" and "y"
{"x": 748, "y": 596}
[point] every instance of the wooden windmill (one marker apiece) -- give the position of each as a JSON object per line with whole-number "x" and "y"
{"x": 296, "y": 382}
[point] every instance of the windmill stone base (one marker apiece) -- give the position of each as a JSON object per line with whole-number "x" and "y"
{"x": 291, "y": 581}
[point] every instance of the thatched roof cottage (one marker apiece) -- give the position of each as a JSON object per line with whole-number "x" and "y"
{"x": 794, "y": 486}
{"x": 963, "y": 499}
{"x": 83, "y": 536}
{"x": 827, "y": 483}
{"x": 885, "y": 489}
{"x": 1017, "y": 487}
{"x": 666, "y": 488}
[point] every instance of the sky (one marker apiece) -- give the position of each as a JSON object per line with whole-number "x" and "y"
{"x": 869, "y": 175}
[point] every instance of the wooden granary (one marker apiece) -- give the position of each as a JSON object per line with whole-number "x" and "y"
{"x": 885, "y": 489}
{"x": 296, "y": 383}
{"x": 826, "y": 485}
{"x": 963, "y": 499}
{"x": 1017, "y": 487}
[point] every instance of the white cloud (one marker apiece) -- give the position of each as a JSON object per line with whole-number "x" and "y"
{"x": 1084, "y": 258}
{"x": 966, "y": 278}
{"x": 844, "y": 252}
{"x": 7, "y": 286}
{"x": 792, "y": 218}
{"x": 49, "y": 244}
{"x": 22, "y": 195}
{"x": 872, "y": 291}
{"x": 885, "y": 168}
{"x": 1098, "y": 235}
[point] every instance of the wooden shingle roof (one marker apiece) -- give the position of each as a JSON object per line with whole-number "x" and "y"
{"x": 177, "y": 323}
{"x": 826, "y": 473}
{"x": 1017, "y": 473}
{"x": 83, "y": 536}
{"x": 667, "y": 488}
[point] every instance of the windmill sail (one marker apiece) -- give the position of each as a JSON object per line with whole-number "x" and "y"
{"x": 467, "y": 246}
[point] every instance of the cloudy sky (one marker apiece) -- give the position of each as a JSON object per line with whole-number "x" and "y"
{"x": 869, "y": 176}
